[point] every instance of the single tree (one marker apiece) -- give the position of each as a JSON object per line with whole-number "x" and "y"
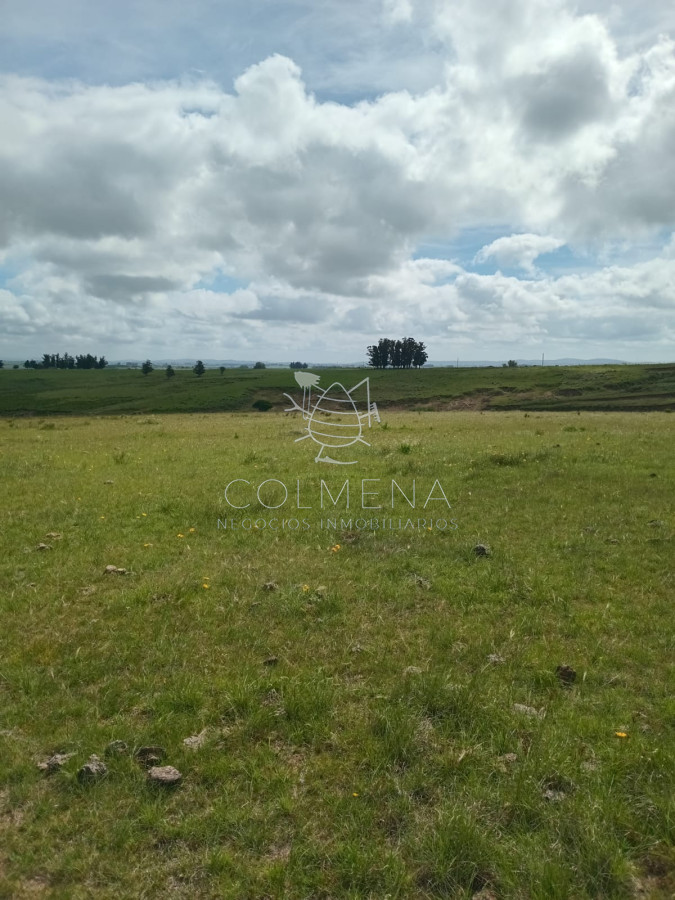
{"x": 222, "y": 370}
{"x": 146, "y": 368}
{"x": 260, "y": 365}
{"x": 511, "y": 364}
{"x": 199, "y": 369}
{"x": 169, "y": 371}
{"x": 2, "y": 365}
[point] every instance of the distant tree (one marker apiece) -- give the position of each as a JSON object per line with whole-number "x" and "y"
{"x": 260, "y": 365}
{"x": 298, "y": 365}
{"x": 420, "y": 355}
{"x": 222, "y": 370}
{"x": 169, "y": 371}
{"x": 198, "y": 368}
{"x": 147, "y": 367}
{"x": 511, "y": 364}
{"x": 30, "y": 364}
{"x": 16, "y": 366}
{"x": 403, "y": 354}
{"x": 102, "y": 363}
{"x": 2, "y": 365}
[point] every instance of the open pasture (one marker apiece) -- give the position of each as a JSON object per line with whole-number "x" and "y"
{"x": 376, "y": 711}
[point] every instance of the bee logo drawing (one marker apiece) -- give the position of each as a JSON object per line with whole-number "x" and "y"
{"x": 332, "y": 415}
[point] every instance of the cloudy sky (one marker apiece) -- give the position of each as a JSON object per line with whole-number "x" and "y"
{"x": 283, "y": 179}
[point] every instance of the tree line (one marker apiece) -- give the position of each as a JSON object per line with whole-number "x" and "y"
{"x": 56, "y": 361}
{"x": 404, "y": 354}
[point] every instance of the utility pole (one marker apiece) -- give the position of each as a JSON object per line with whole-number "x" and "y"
{"x": 542, "y": 359}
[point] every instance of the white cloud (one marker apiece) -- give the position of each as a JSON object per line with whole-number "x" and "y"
{"x": 119, "y": 203}
{"x": 518, "y": 250}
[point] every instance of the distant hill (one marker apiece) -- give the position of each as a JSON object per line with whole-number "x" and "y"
{"x": 126, "y": 390}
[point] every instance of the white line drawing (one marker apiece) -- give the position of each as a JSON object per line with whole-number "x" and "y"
{"x": 332, "y": 416}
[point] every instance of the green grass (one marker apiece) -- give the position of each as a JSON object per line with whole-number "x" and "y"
{"x": 115, "y": 391}
{"x": 370, "y": 759}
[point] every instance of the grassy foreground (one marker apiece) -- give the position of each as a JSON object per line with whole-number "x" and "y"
{"x": 560, "y": 388}
{"x": 353, "y": 690}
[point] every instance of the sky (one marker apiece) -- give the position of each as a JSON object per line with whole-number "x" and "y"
{"x": 293, "y": 179}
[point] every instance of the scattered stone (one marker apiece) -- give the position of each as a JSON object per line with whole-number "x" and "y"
{"x": 656, "y": 523}
{"x": 165, "y": 775}
{"x": 109, "y": 481}
{"x": 529, "y": 710}
{"x": 89, "y": 589}
{"x": 116, "y": 748}
{"x": 508, "y": 758}
{"x": 481, "y": 550}
{"x": 485, "y": 894}
{"x": 553, "y": 796}
{"x": 150, "y": 756}
{"x": 495, "y": 659}
{"x": 54, "y": 762}
{"x": 43, "y": 547}
{"x": 54, "y": 535}
{"x": 556, "y": 788}
{"x": 272, "y": 698}
{"x": 93, "y": 770}
{"x": 271, "y": 661}
{"x": 196, "y": 740}
{"x": 115, "y": 570}
{"x": 566, "y": 674}
{"x": 412, "y": 670}
{"x": 356, "y": 648}
{"x": 420, "y": 581}
{"x": 270, "y": 586}
{"x": 612, "y": 541}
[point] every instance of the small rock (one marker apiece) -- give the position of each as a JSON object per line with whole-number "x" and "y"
{"x": 566, "y": 674}
{"x": 321, "y": 590}
{"x": 271, "y": 661}
{"x": 356, "y": 648}
{"x": 109, "y": 481}
{"x": 165, "y": 775}
{"x": 481, "y": 550}
{"x": 196, "y": 740}
{"x": 529, "y": 710}
{"x": 149, "y": 756}
{"x": 116, "y": 748}
{"x": 495, "y": 659}
{"x": 656, "y": 523}
{"x": 54, "y": 535}
{"x": 612, "y": 541}
{"x": 54, "y": 762}
{"x": 270, "y": 586}
{"x": 485, "y": 894}
{"x": 412, "y": 670}
{"x": 420, "y": 581}
{"x": 93, "y": 770}
{"x": 43, "y": 547}
{"x": 556, "y": 788}
{"x": 114, "y": 570}
{"x": 553, "y": 796}
{"x": 509, "y": 758}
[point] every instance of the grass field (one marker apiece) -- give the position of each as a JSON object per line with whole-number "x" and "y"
{"x": 378, "y": 710}
{"x": 115, "y": 391}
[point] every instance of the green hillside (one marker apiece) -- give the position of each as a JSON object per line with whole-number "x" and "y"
{"x": 623, "y": 387}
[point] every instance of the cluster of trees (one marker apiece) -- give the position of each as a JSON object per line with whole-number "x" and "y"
{"x": 404, "y": 354}
{"x": 298, "y": 365}
{"x": 56, "y": 361}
